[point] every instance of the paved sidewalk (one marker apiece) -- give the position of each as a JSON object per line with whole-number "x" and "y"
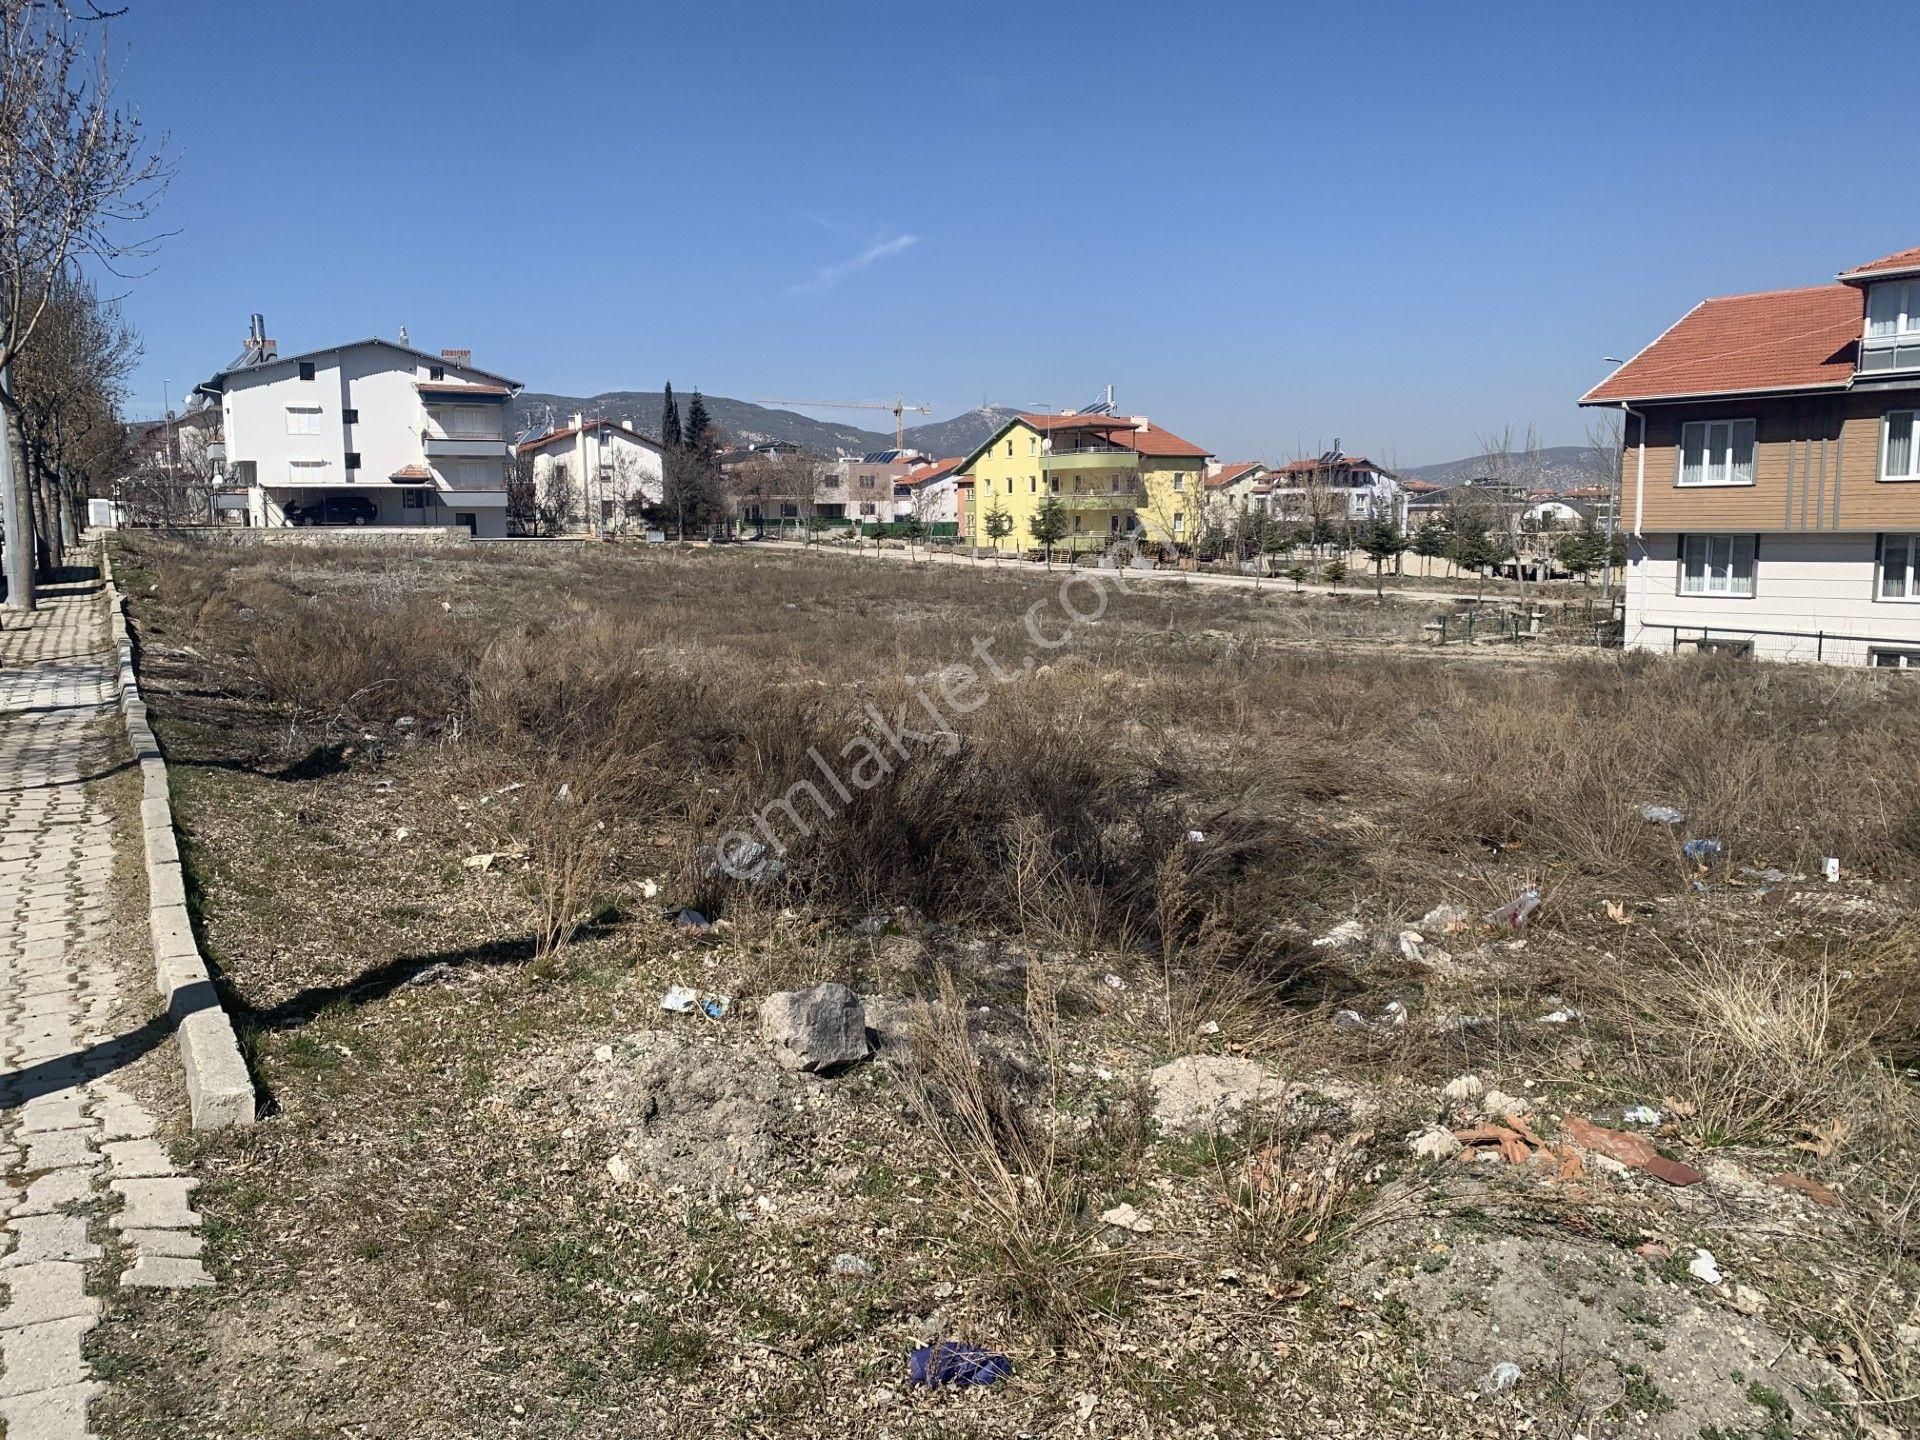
{"x": 81, "y": 1177}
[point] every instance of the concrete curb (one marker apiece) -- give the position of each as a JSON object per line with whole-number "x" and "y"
{"x": 219, "y": 1089}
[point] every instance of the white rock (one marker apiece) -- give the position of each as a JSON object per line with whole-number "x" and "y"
{"x": 1747, "y": 1300}
{"x": 1462, "y": 1088}
{"x": 620, "y": 1168}
{"x": 1435, "y": 1144}
{"x": 1496, "y": 1103}
{"x": 1124, "y": 1217}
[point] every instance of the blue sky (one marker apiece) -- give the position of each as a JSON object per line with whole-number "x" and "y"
{"x": 1404, "y": 225}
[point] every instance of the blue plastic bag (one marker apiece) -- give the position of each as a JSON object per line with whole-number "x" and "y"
{"x": 947, "y": 1362}
{"x": 1701, "y": 851}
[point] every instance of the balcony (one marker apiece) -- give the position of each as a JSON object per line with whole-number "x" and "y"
{"x": 465, "y": 447}
{"x": 1092, "y": 500}
{"x": 1095, "y": 459}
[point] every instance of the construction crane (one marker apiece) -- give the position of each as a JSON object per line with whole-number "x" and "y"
{"x": 898, "y": 407}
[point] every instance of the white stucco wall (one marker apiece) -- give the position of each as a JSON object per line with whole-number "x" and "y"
{"x": 379, "y": 383}
{"x": 605, "y": 463}
{"x": 1805, "y": 583}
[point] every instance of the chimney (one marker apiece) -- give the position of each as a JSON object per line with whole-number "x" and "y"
{"x": 627, "y": 425}
{"x": 576, "y": 421}
{"x": 1140, "y": 422}
{"x": 457, "y": 357}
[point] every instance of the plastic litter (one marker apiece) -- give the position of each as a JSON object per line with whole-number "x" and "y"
{"x": 691, "y": 920}
{"x": 1641, "y": 1115}
{"x": 1662, "y": 815}
{"x": 1565, "y": 1015}
{"x": 1701, "y": 851}
{"x": 1124, "y": 1217}
{"x": 1503, "y": 1376}
{"x": 1392, "y": 1016}
{"x": 1197, "y": 837}
{"x": 948, "y": 1362}
{"x": 1704, "y": 1267}
{"x": 1113, "y": 981}
{"x": 686, "y": 1000}
{"x": 1514, "y": 914}
{"x": 851, "y": 1265}
{"x": 1830, "y": 867}
{"x": 1768, "y": 876}
{"x": 1347, "y": 932}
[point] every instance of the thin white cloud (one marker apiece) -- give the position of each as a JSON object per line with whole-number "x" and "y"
{"x": 828, "y": 276}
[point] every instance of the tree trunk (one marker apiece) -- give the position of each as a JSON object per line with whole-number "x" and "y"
{"x": 18, "y": 497}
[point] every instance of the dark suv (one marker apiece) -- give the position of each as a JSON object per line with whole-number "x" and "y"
{"x": 334, "y": 510}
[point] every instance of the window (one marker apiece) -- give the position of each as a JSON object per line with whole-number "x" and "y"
{"x": 1716, "y": 452}
{"x": 1899, "y": 456}
{"x": 303, "y": 419}
{"x": 349, "y": 417}
{"x": 306, "y": 369}
{"x": 1009, "y": 447}
{"x": 1033, "y": 485}
{"x": 789, "y": 512}
{"x": 1894, "y": 659}
{"x": 1716, "y": 564}
{"x": 1893, "y": 326}
{"x": 353, "y": 459}
{"x": 436, "y": 372}
{"x": 1179, "y": 482}
{"x": 1715, "y": 645}
{"x": 866, "y": 482}
{"x": 1179, "y": 523}
{"x": 1899, "y": 567}
{"x": 413, "y": 499}
{"x": 1033, "y": 445}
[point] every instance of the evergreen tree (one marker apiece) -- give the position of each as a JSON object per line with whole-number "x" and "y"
{"x": 1048, "y": 525}
{"x": 698, "y": 434}
{"x": 670, "y": 420}
{"x": 1381, "y": 540}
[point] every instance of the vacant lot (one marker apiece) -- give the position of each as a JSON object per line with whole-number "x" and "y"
{"x": 1170, "y": 927}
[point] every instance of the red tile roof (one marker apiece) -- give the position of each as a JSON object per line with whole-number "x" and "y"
{"x": 1897, "y": 263}
{"x": 1344, "y": 462}
{"x": 1156, "y": 441}
{"x": 540, "y": 442}
{"x": 1737, "y": 344}
{"x": 935, "y": 471}
{"x": 1421, "y": 487}
{"x": 1078, "y": 422}
{"x": 1230, "y": 472}
{"x": 411, "y": 472}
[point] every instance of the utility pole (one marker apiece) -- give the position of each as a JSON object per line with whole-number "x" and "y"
{"x": 176, "y": 498}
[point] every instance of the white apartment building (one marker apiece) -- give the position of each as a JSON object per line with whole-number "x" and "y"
{"x": 373, "y": 432}
{"x": 606, "y": 466}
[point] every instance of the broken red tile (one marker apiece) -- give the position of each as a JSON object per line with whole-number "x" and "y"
{"x": 1652, "y": 1250}
{"x": 1812, "y": 1189}
{"x": 1674, "y": 1172}
{"x": 1635, "y": 1151}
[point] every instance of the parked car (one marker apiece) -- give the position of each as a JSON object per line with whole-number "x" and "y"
{"x": 334, "y": 510}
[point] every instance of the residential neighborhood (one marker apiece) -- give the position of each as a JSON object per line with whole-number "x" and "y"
{"x": 1349, "y": 873}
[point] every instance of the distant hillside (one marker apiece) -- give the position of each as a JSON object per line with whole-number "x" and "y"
{"x": 745, "y": 423}
{"x": 1561, "y": 467}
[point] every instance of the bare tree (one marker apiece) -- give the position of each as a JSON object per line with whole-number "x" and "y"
{"x": 70, "y": 385}
{"x": 79, "y": 180}
{"x": 1517, "y": 468}
{"x": 1606, "y": 456}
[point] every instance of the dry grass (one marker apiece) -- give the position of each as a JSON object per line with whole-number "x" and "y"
{"x": 1185, "y": 795}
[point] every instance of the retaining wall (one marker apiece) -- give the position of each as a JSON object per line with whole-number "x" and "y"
{"x": 219, "y": 1089}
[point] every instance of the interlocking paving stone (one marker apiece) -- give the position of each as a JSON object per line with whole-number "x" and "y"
{"x": 44, "y": 1356}
{"x": 65, "y": 1126}
{"x": 51, "y": 1290}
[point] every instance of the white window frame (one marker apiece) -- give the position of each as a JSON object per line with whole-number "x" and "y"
{"x": 1912, "y": 471}
{"x": 1892, "y": 657}
{"x": 1907, "y": 546}
{"x": 308, "y": 417}
{"x": 1718, "y": 577}
{"x": 1718, "y": 472}
{"x": 1906, "y": 316}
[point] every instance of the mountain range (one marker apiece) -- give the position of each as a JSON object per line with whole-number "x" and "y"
{"x": 1561, "y": 467}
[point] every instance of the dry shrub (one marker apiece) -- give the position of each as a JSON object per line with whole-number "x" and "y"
{"x": 1748, "y": 1041}
{"x": 1019, "y": 1191}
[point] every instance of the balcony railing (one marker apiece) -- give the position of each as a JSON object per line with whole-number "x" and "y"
{"x": 1092, "y": 500}
{"x": 1114, "y": 459}
{"x": 473, "y": 447}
